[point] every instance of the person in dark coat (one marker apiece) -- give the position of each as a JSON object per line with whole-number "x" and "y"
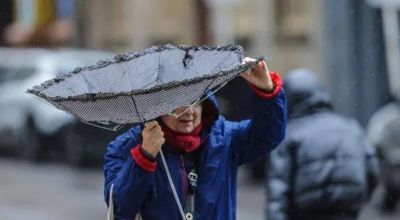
{"x": 324, "y": 169}
{"x": 383, "y": 131}
{"x": 199, "y": 143}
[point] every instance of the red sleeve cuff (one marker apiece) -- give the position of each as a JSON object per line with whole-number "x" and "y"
{"x": 142, "y": 161}
{"x": 276, "y": 80}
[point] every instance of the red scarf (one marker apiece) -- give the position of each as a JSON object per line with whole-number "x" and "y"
{"x": 183, "y": 142}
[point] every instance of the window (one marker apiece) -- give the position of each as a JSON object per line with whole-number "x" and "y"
{"x": 293, "y": 20}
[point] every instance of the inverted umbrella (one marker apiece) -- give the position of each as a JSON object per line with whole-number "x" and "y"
{"x": 141, "y": 86}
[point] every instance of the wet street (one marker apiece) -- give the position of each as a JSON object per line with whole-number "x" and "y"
{"x": 49, "y": 192}
{"x": 55, "y": 191}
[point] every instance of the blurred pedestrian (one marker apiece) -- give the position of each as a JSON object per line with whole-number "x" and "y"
{"x": 203, "y": 152}
{"x": 324, "y": 169}
{"x": 384, "y": 134}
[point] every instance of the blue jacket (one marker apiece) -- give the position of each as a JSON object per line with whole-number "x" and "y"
{"x": 229, "y": 145}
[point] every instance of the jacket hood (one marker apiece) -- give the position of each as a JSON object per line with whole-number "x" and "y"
{"x": 213, "y": 101}
{"x": 305, "y": 93}
{"x": 211, "y": 109}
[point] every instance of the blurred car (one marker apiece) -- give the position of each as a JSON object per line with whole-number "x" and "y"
{"x": 31, "y": 127}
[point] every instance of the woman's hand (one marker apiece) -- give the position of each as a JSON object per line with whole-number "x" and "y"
{"x": 153, "y": 138}
{"x": 258, "y": 75}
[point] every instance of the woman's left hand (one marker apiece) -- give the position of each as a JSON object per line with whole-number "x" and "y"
{"x": 258, "y": 75}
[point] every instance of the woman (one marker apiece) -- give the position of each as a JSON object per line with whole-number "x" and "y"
{"x": 203, "y": 152}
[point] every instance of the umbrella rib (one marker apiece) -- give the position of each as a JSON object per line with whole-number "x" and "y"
{"x": 158, "y": 80}
{"x": 209, "y": 85}
{"x": 159, "y": 67}
{"x": 89, "y": 86}
{"x": 136, "y": 109}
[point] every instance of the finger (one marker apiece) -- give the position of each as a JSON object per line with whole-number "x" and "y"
{"x": 260, "y": 65}
{"x": 156, "y": 129}
{"x": 150, "y": 125}
{"x": 161, "y": 141}
{"x": 247, "y": 72}
{"x": 264, "y": 66}
{"x": 245, "y": 75}
{"x": 261, "y": 68}
{"x": 158, "y": 134}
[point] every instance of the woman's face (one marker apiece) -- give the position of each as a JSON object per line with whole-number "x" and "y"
{"x": 189, "y": 118}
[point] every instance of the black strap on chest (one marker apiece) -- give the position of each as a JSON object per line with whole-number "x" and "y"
{"x": 192, "y": 179}
{"x": 191, "y": 196}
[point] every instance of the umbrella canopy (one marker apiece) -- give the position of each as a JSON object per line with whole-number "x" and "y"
{"x": 141, "y": 86}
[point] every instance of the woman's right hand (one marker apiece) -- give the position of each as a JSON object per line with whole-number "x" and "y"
{"x": 153, "y": 138}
